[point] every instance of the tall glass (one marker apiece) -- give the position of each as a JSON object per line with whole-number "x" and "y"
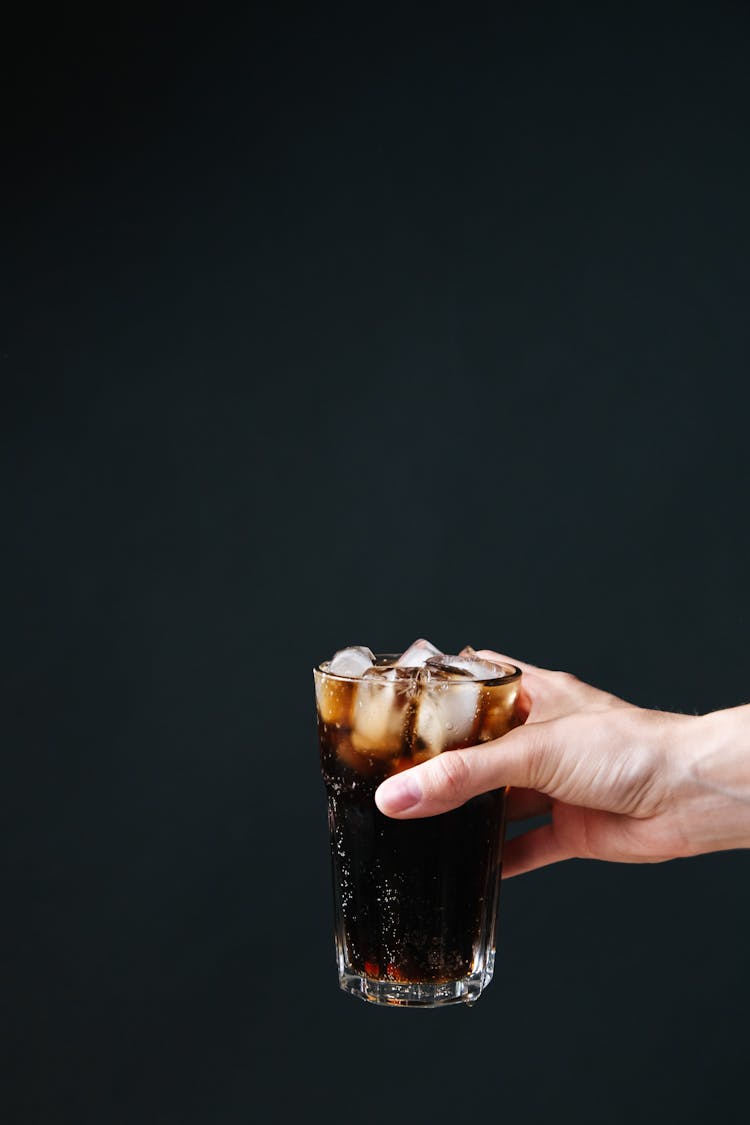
{"x": 415, "y": 901}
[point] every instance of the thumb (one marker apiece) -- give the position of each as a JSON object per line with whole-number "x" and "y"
{"x": 452, "y": 778}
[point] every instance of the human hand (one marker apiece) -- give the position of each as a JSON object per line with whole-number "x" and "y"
{"x": 621, "y": 783}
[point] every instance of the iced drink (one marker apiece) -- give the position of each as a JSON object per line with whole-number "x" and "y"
{"x": 415, "y": 900}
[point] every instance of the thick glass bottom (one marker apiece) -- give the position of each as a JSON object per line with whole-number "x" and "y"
{"x": 403, "y": 994}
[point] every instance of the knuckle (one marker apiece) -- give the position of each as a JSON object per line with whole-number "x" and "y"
{"x": 451, "y": 776}
{"x": 567, "y": 680}
{"x": 538, "y": 762}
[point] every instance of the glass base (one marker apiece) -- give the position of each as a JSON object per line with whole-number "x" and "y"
{"x": 401, "y": 994}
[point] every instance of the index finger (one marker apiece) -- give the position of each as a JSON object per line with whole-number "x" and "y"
{"x": 489, "y": 654}
{"x": 537, "y": 692}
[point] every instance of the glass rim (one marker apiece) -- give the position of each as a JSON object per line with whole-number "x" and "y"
{"x": 392, "y": 657}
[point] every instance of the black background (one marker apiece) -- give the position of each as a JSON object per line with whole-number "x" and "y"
{"x": 354, "y": 324}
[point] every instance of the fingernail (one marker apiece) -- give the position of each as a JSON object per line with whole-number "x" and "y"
{"x": 398, "y": 794}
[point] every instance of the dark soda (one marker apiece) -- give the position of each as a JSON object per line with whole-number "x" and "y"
{"x": 415, "y": 899}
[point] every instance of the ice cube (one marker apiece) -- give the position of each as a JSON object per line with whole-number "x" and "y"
{"x": 440, "y": 668}
{"x": 364, "y": 764}
{"x": 446, "y": 715}
{"x": 353, "y": 661}
{"x": 335, "y": 699}
{"x": 379, "y": 712}
{"x": 470, "y": 666}
{"x": 418, "y": 654}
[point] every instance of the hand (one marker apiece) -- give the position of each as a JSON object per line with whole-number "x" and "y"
{"x": 621, "y": 783}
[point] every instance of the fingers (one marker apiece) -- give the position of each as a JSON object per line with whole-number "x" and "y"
{"x": 552, "y": 694}
{"x": 531, "y": 850}
{"x": 488, "y": 654}
{"x": 541, "y": 696}
{"x": 452, "y": 778}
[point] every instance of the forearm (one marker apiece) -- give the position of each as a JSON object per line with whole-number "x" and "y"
{"x": 717, "y": 814}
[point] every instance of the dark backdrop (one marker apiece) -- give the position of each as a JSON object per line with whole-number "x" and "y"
{"x": 351, "y": 325}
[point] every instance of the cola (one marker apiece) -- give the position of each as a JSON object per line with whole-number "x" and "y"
{"x": 415, "y": 900}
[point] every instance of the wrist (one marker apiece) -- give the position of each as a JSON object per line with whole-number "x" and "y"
{"x": 718, "y": 777}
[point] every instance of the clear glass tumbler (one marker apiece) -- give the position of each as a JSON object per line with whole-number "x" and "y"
{"x": 415, "y": 901}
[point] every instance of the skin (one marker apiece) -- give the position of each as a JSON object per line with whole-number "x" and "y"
{"x": 619, "y": 782}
